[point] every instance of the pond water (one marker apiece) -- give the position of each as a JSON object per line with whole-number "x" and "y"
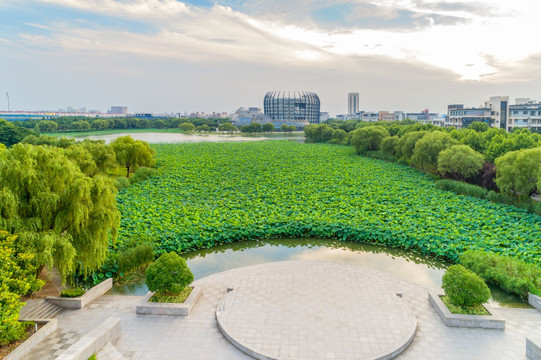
{"x": 422, "y": 270}
{"x": 163, "y": 137}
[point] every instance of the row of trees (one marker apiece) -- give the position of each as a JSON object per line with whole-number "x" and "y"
{"x": 485, "y": 156}
{"x": 230, "y": 128}
{"x": 67, "y": 124}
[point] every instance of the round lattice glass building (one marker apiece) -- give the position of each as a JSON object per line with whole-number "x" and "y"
{"x": 292, "y": 107}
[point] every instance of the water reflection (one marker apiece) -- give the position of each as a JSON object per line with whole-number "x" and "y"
{"x": 155, "y": 138}
{"x": 419, "y": 269}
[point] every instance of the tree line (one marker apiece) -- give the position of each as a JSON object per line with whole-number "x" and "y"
{"x": 480, "y": 155}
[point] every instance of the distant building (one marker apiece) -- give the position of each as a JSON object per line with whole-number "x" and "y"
{"x": 494, "y": 113}
{"x": 297, "y": 108}
{"x": 324, "y": 116}
{"x": 248, "y": 115}
{"x": 118, "y": 110}
{"x": 353, "y": 103}
{"x": 526, "y": 114}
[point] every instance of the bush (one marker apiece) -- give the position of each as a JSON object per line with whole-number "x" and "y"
{"x": 464, "y": 287}
{"x": 122, "y": 183}
{"x": 168, "y": 274}
{"x": 135, "y": 258}
{"x": 512, "y": 275}
{"x": 142, "y": 174}
{"x": 72, "y": 293}
{"x": 461, "y": 188}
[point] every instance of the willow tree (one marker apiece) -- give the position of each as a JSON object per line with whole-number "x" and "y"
{"x": 132, "y": 153}
{"x": 62, "y": 216}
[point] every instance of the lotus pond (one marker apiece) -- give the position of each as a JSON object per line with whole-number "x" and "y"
{"x": 210, "y": 194}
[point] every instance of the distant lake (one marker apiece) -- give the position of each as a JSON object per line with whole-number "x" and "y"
{"x": 163, "y": 137}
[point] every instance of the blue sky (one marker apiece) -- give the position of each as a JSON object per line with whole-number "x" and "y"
{"x": 173, "y": 56}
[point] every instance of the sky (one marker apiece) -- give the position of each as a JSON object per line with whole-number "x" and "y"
{"x": 203, "y": 55}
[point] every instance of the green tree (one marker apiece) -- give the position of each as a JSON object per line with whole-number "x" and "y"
{"x": 81, "y": 125}
{"x": 227, "y": 127}
{"x": 203, "y": 128}
{"x": 428, "y": 148}
{"x": 83, "y": 159}
{"x": 99, "y": 124}
{"x": 389, "y": 144}
{"x": 63, "y": 142}
{"x": 316, "y": 133}
{"x": 368, "y": 138}
{"x": 406, "y": 144}
{"x": 187, "y": 127}
{"x": 460, "y": 162}
{"x": 11, "y": 134}
{"x": 517, "y": 172}
{"x": 46, "y": 126}
{"x": 17, "y": 278}
{"x": 268, "y": 127}
{"x": 291, "y": 128}
{"x": 103, "y": 155}
{"x": 251, "y": 128}
{"x": 132, "y": 153}
{"x": 478, "y": 126}
{"x": 338, "y": 136}
{"x": 61, "y": 216}
{"x": 159, "y": 124}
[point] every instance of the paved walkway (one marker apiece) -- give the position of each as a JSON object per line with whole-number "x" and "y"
{"x": 147, "y": 337}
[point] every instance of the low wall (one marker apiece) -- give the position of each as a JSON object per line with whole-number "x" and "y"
{"x": 89, "y": 296}
{"x": 33, "y": 341}
{"x": 535, "y": 301}
{"x": 184, "y": 309}
{"x": 533, "y": 348}
{"x": 468, "y": 321}
{"x": 108, "y": 332}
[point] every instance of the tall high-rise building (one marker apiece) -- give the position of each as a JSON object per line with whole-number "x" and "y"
{"x": 353, "y": 103}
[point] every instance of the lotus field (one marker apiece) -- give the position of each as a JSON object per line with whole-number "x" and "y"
{"x": 216, "y": 193}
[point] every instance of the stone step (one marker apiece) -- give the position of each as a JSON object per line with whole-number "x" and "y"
{"x": 109, "y": 352}
{"x": 39, "y": 309}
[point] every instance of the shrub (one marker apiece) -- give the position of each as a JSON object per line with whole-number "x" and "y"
{"x": 464, "y": 287}
{"x": 461, "y": 188}
{"x": 122, "y": 183}
{"x": 142, "y": 174}
{"x": 168, "y": 274}
{"x": 135, "y": 258}
{"x": 511, "y": 274}
{"x": 72, "y": 293}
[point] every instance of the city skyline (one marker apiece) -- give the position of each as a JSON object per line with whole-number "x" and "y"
{"x": 172, "y": 56}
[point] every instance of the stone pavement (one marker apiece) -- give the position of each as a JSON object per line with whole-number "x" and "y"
{"x": 315, "y": 310}
{"x": 198, "y": 336}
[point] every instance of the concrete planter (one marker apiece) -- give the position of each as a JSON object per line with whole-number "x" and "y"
{"x": 535, "y": 301}
{"x": 33, "y": 341}
{"x": 468, "y": 321}
{"x": 80, "y": 302}
{"x": 184, "y": 309}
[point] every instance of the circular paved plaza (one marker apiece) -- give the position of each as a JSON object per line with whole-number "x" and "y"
{"x": 316, "y": 310}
